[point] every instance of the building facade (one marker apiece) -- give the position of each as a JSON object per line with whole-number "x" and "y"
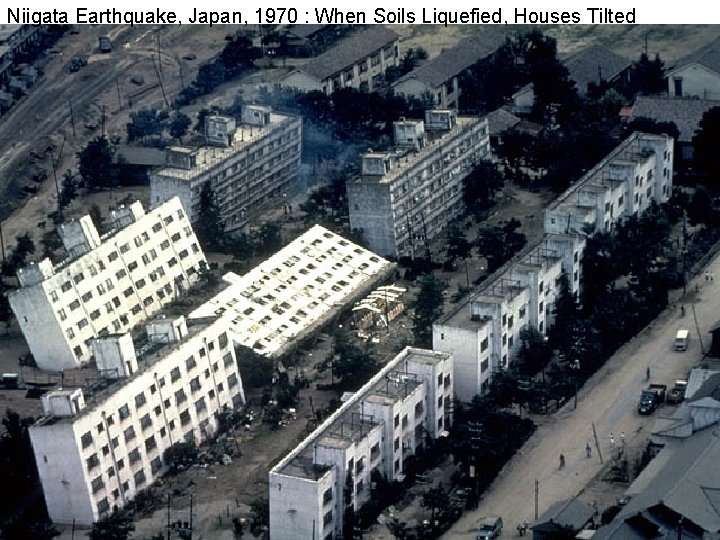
{"x": 482, "y": 333}
{"x": 298, "y": 289}
{"x": 97, "y": 447}
{"x": 358, "y": 61}
{"x": 108, "y": 283}
{"x": 246, "y": 166}
{"x": 406, "y": 197}
{"x": 697, "y": 74}
{"x": 402, "y": 408}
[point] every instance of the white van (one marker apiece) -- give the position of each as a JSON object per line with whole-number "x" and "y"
{"x": 681, "y": 340}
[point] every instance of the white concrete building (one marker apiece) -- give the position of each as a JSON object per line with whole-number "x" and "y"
{"x": 374, "y": 432}
{"x": 404, "y": 198}
{"x": 697, "y": 74}
{"x": 97, "y": 447}
{"x": 636, "y": 173}
{"x": 483, "y": 333}
{"x": 108, "y": 283}
{"x": 247, "y": 165}
{"x": 295, "y": 291}
{"x": 358, "y": 61}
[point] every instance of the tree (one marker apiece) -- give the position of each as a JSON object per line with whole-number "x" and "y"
{"x": 180, "y": 454}
{"x": 644, "y": 77}
{"x": 68, "y": 191}
{"x": 17, "y": 259}
{"x": 706, "y": 158}
{"x": 352, "y": 365}
{"x": 435, "y": 499}
{"x": 117, "y": 526}
{"x": 700, "y": 209}
{"x": 210, "y": 228}
{"x": 499, "y": 244}
{"x": 649, "y": 125}
{"x": 96, "y": 215}
{"x": 256, "y": 369}
{"x": 428, "y": 308}
{"x": 145, "y": 123}
{"x": 480, "y": 186}
{"x": 96, "y": 164}
{"x": 238, "y": 55}
{"x": 179, "y": 125}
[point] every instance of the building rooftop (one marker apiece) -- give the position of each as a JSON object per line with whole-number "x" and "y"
{"x": 707, "y": 56}
{"x": 594, "y": 64}
{"x": 99, "y": 390}
{"x": 209, "y": 157}
{"x": 571, "y": 513}
{"x": 684, "y": 112}
{"x": 500, "y": 120}
{"x": 405, "y": 159}
{"x": 455, "y": 60}
{"x": 295, "y": 290}
{"x": 348, "y": 424}
{"x": 349, "y": 51}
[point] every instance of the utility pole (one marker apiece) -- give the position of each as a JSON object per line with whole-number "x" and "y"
{"x": 102, "y": 132}
{"x": 597, "y": 444}
{"x": 191, "y": 523}
{"x": 117, "y": 85}
{"x": 162, "y": 87}
{"x": 157, "y": 38}
{"x": 697, "y": 328}
{"x": 168, "y": 518}
{"x": 57, "y": 187}
{"x": 537, "y": 494}
{"x": 72, "y": 119}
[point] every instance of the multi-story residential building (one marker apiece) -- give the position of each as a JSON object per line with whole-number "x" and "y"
{"x": 108, "y": 283}
{"x": 296, "y": 290}
{"x": 372, "y": 433}
{"x": 358, "y": 61}
{"x": 482, "y": 333}
{"x": 246, "y": 166}
{"x": 442, "y": 77}
{"x": 636, "y": 173}
{"x": 97, "y": 447}
{"x": 404, "y": 198}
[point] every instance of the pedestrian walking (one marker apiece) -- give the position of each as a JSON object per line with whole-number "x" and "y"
{"x": 562, "y": 460}
{"x": 588, "y": 450}
{"x": 622, "y": 437}
{"x": 612, "y": 441}
{"x": 712, "y": 276}
{"x": 707, "y": 275}
{"x": 647, "y": 373}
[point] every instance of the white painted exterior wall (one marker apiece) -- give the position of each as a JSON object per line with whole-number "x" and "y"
{"x": 402, "y": 405}
{"x": 112, "y": 284}
{"x": 694, "y": 80}
{"x": 258, "y": 167}
{"x": 445, "y": 96}
{"x": 420, "y": 194}
{"x": 111, "y": 449}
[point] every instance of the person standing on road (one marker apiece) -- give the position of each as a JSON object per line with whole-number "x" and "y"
{"x": 622, "y": 437}
{"x": 562, "y": 460}
{"x": 647, "y": 373}
{"x": 588, "y": 450}
{"x": 612, "y": 441}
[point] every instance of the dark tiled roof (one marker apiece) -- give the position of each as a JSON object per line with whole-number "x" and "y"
{"x": 453, "y": 61}
{"x": 590, "y": 63}
{"x": 708, "y": 56}
{"x": 349, "y": 51}
{"x": 304, "y": 31}
{"x": 572, "y": 513}
{"x": 140, "y": 155}
{"x": 501, "y": 120}
{"x": 686, "y": 113}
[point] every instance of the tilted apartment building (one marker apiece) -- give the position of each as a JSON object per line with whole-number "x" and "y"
{"x": 405, "y": 197}
{"x": 482, "y": 333}
{"x": 108, "y": 283}
{"x": 295, "y": 291}
{"x": 373, "y": 432}
{"x": 96, "y": 447}
{"x": 247, "y": 166}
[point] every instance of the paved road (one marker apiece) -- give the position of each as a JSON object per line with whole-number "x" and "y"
{"x": 608, "y": 400}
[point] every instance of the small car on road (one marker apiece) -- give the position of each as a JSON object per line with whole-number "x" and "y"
{"x": 490, "y": 528}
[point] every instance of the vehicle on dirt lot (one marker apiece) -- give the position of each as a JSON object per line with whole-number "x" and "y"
{"x": 651, "y": 397}
{"x": 490, "y": 528}
{"x": 677, "y": 393}
{"x": 681, "y": 340}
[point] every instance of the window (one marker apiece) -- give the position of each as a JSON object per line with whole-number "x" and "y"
{"x": 200, "y": 405}
{"x": 103, "y": 506}
{"x": 185, "y": 417}
{"x": 132, "y": 266}
{"x": 140, "y": 283}
{"x": 175, "y": 374}
{"x": 77, "y": 278}
{"x": 404, "y": 421}
{"x": 232, "y": 380}
{"x": 74, "y": 305}
{"x": 484, "y": 345}
{"x": 61, "y": 314}
{"x": 146, "y": 422}
{"x": 139, "y": 478}
{"x": 327, "y": 518}
{"x": 86, "y": 297}
{"x": 124, "y": 412}
{"x": 113, "y": 256}
{"x": 82, "y": 324}
{"x": 134, "y": 456}
{"x": 190, "y": 363}
{"x": 86, "y": 440}
{"x": 140, "y": 400}
{"x": 195, "y": 384}
{"x": 397, "y": 420}
{"x": 65, "y": 287}
{"x": 121, "y": 464}
{"x": 327, "y": 496}
{"x": 150, "y": 443}
{"x": 165, "y": 244}
{"x": 180, "y": 396}
{"x": 129, "y": 434}
{"x": 228, "y": 359}
{"x": 155, "y": 465}
{"x": 97, "y": 484}
{"x": 95, "y": 315}
{"x": 156, "y": 227}
{"x": 92, "y": 462}
{"x": 124, "y": 248}
{"x": 223, "y": 340}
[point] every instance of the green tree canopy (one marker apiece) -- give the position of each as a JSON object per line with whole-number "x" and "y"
{"x": 96, "y": 164}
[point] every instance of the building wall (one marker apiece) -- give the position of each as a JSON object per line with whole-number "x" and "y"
{"x": 119, "y": 442}
{"x": 470, "y": 351}
{"x": 694, "y": 80}
{"x": 110, "y": 289}
{"x": 425, "y": 193}
{"x": 412, "y": 87}
{"x": 249, "y": 179}
{"x": 301, "y": 507}
{"x": 301, "y": 81}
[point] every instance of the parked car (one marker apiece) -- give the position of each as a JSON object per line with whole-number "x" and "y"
{"x": 490, "y": 528}
{"x": 651, "y": 397}
{"x": 677, "y": 393}
{"x": 681, "y": 340}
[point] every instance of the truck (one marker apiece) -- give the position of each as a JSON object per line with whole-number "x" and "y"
{"x": 651, "y": 397}
{"x": 677, "y": 392}
{"x": 104, "y": 44}
{"x": 681, "y": 340}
